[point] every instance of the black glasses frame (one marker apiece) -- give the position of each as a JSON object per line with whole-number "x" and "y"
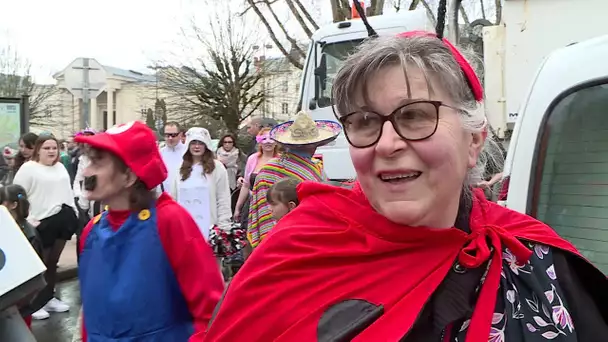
{"x": 391, "y": 119}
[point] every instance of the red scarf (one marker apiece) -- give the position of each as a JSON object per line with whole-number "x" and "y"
{"x": 335, "y": 247}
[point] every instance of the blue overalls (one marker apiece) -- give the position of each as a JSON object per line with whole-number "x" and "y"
{"x": 128, "y": 288}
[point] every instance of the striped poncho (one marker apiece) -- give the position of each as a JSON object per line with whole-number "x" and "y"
{"x": 288, "y": 165}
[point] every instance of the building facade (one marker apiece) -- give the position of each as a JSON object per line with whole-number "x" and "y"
{"x": 125, "y": 95}
{"x": 281, "y": 84}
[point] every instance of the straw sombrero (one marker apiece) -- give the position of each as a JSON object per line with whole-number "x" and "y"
{"x": 305, "y": 131}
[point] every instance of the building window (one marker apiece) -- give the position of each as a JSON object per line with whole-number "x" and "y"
{"x": 285, "y": 86}
{"x": 285, "y": 108}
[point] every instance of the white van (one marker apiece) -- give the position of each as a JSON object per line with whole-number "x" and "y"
{"x": 329, "y": 48}
{"x": 557, "y": 164}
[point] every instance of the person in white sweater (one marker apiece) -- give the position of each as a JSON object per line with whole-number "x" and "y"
{"x": 201, "y": 185}
{"x": 52, "y": 211}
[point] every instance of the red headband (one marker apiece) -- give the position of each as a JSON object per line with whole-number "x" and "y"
{"x": 469, "y": 73}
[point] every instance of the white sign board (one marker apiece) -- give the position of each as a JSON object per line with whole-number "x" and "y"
{"x": 10, "y": 123}
{"x": 19, "y": 262}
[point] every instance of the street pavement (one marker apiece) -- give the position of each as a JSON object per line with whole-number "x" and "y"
{"x": 60, "y": 327}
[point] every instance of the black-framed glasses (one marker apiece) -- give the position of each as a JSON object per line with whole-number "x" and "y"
{"x": 414, "y": 121}
{"x": 228, "y": 142}
{"x": 171, "y": 135}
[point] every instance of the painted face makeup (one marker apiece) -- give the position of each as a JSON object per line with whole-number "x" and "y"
{"x": 264, "y": 139}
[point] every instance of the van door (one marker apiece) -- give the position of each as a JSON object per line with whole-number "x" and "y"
{"x": 569, "y": 183}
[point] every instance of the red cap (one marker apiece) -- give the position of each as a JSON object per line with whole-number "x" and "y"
{"x": 135, "y": 144}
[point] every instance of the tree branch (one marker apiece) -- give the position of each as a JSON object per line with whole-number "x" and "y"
{"x": 306, "y": 14}
{"x": 293, "y": 42}
{"x": 299, "y": 18}
{"x": 293, "y": 60}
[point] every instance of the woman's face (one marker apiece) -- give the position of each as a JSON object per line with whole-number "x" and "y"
{"x": 415, "y": 183}
{"x": 48, "y": 153}
{"x": 267, "y": 144}
{"x": 25, "y": 151}
{"x": 269, "y": 147}
{"x": 228, "y": 144}
{"x": 197, "y": 148}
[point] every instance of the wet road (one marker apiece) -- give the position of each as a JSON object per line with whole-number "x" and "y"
{"x": 60, "y": 326}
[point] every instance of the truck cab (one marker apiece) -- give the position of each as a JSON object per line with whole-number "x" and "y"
{"x": 557, "y": 163}
{"x": 329, "y": 48}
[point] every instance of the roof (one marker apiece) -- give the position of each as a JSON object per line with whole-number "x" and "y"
{"x": 130, "y": 74}
{"x": 383, "y": 24}
{"x": 114, "y": 71}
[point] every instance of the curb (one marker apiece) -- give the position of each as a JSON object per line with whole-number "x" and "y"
{"x": 67, "y": 273}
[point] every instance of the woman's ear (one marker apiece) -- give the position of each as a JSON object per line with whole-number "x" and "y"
{"x": 12, "y": 205}
{"x": 476, "y": 146}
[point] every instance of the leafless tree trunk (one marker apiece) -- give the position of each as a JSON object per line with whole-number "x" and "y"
{"x": 483, "y": 9}
{"x": 294, "y": 43}
{"x": 376, "y": 8}
{"x": 498, "y": 5}
{"x": 296, "y": 14}
{"x": 306, "y": 14}
{"x": 427, "y": 7}
{"x": 297, "y": 62}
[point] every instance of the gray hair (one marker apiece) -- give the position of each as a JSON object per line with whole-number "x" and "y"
{"x": 436, "y": 62}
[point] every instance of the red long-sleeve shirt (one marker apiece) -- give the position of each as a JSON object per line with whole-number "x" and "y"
{"x": 190, "y": 257}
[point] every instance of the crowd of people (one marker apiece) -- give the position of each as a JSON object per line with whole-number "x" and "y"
{"x": 411, "y": 251}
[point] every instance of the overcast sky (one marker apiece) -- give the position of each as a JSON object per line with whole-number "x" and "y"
{"x": 128, "y": 34}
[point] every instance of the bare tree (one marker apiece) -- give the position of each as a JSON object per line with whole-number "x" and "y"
{"x": 16, "y": 81}
{"x": 341, "y": 10}
{"x": 222, "y": 86}
{"x": 267, "y": 14}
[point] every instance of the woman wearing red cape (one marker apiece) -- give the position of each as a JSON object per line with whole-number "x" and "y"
{"x": 412, "y": 253}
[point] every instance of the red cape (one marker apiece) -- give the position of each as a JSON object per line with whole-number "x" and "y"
{"x": 335, "y": 247}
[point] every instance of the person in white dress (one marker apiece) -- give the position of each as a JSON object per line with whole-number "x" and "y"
{"x": 201, "y": 185}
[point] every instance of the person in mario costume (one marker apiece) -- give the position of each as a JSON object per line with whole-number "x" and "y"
{"x": 146, "y": 272}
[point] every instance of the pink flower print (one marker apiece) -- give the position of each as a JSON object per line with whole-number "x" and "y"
{"x": 561, "y": 316}
{"x": 551, "y": 272}
{"x": 541, "y": 250}
{"x": 496, "y": 335}
{"x": 512, "y": 262}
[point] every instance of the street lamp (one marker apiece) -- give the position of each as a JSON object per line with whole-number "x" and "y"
{"x": 262, "y": 60}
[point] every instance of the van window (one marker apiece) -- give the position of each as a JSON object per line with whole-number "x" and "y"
{"x": 572, "y": 196}
{"x": 335, "y": 54}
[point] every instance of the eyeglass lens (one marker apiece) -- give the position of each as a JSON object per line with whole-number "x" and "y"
{"x": 413, "y": 121}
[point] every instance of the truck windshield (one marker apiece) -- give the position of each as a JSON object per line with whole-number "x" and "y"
{"x": 335, "y": 54}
